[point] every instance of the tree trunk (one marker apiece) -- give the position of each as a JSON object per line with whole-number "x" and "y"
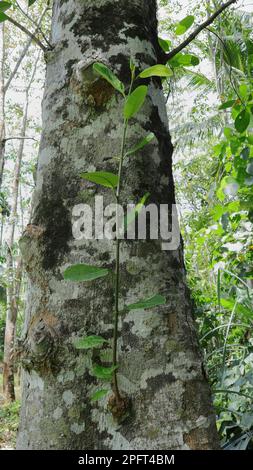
{"x": 2, "y": 102}
{"x": 14, "y": 273}
{"x": 160, "y": 365}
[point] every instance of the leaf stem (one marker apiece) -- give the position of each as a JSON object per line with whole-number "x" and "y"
{"x": 117, "y": 268}
{"x": 198, "y": 30}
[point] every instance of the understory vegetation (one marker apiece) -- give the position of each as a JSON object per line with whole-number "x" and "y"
{"x": 214, "y": 178}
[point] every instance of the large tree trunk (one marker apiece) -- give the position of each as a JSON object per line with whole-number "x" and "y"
{"x": 160, "y": 365}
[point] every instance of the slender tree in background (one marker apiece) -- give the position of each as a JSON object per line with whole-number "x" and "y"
{"x": 5, "y": 82}
{"x": 15, "y": 272}
{"x": 160, "y": 365}
{"x": 2, "y": 100}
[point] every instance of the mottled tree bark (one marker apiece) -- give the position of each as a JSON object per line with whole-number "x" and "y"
{"x": 160, "y": 365}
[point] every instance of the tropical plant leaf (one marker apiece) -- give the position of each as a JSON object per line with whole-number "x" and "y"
{"x": 197, "y": 80}
{"x": 3, "y": 17}
{"x": 108, "y": 75}
{"x": 89, "y": 342}
{"x": 84, "y": 272}
{"x": 141, "y": 144}
{"x": 242, "y": 121}
{"x": 185, "y": 60}
{"x": 156, "y": 71}
{"x": 148, "y": 303}
{"x": 165, "y": 44}
{"x": 99, "y": 394}
{"x": 104, "y": 373}
{"x": 135, "y": 101}
{"x": 184, "y": 24}
{"x": 133, "y": 214}
{"x": 227, "y": 104}
{"x": 5, "y": 6}
{"x": 104, "y": 178}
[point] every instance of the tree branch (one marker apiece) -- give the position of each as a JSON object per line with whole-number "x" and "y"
{"x": 198, "y": 30}
{"x": 19, "y": 138}
{"x": 26, "y": 31}
{"x": 23, "y": 53}
{"x": 37, "y": 26}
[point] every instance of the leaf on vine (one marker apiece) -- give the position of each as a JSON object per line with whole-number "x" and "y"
{"x": 227, "y": 104}
{"x": 84, "y": 272}
{"x": 135, "y": 101}
{"x": 5, "y": 6}
{"x": 99, "y": 394}
{"x": 184, "y": 60}
{"x": 108, "y": 75}
{"x": 184, "y": 25}
{"x": 165, "y": 44}
{"x": 141, "y": 144}
{"x": 104, "y": 178}
{"x": 104, "y": 373}
{"x": 158, "y": 70}
{"x": 154, "y": 301}
{"x": 89, "y": 342}
{"x": 133, "y": 214}
{"x": 242, "y": 121}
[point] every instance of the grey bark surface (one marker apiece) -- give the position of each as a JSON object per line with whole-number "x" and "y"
{"x": 160, "y": 364}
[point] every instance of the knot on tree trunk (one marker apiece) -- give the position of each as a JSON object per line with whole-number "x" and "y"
{"x": 38, "y": 350}
{"x": 29, "y": 242}
{"x": 95, "y": 91}
{"x": 120, "y": 407}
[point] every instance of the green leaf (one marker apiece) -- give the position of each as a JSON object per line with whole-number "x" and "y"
{"x": 227, "y": 104}
{"x": 89, "y": 342}
{"x": 108, "y": 75}
{"x": 31, "y": 2}
{"x": 135, "y": 101}
{"x": 230, "y": 304}
{"x": 156, "y": 71}
{"x": 228, "y": 132}
{"x": 148, "y": 303}
{"x": 3, "y": 17}
{"x": 165, "y": 44}
{"x": 185, "y": 60}
{"x": 133, "y": 214}
{"x": 217, "y": 211}
{"x": 84, "y": 272}
{"x": 141, "y": 144}
{"x": 5, "y": 6}
{"x": 243, "y": 91}
{"x": 242, "y": 121}
{"x": 99, "y": 394}
{"x": 109, "y": 180}
{"x": 184, "y": 25}
{"x": 104, "y": 373}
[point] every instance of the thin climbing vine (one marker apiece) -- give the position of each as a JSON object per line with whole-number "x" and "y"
{"x": 132, "y": 103}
